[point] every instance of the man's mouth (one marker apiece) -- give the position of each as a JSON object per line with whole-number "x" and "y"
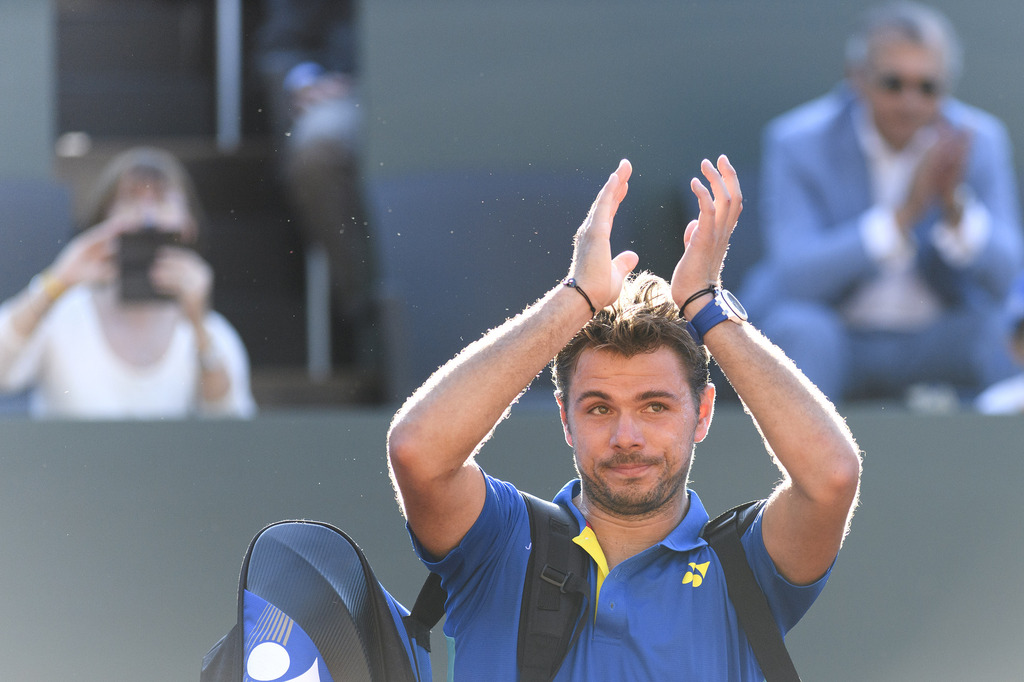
{"x": 630, "y": 468}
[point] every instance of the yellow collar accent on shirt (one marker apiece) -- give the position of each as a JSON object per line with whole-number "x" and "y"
{"x": 587, "y": 539}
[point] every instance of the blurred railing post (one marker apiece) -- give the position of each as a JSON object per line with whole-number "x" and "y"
{"x": 229, "y": 74}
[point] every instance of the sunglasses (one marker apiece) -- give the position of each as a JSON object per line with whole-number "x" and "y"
{"x": 895, "y": 85}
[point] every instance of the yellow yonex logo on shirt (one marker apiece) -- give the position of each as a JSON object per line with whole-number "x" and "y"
{"x": 695, "y": 576}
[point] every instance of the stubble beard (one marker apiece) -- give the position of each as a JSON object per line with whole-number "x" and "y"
{"x": 633, "y": 500}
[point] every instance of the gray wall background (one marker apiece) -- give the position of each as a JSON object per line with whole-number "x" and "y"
{"x": 122, "y": 542}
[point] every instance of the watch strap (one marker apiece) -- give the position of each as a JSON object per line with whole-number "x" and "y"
{"x": 708, "y": 316}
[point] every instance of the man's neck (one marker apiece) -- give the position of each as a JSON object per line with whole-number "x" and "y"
{"x": 623, "y": 537}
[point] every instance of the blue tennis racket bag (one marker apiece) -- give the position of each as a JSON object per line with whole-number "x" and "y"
{"x": 311, "y": 610}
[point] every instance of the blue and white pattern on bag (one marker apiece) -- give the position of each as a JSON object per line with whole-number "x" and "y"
{"x": 276, "y": 648}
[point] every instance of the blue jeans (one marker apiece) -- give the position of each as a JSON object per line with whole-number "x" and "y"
{"x": 964, "y": 348}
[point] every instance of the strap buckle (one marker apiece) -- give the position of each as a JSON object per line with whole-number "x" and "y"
{"x": 553, "y": 576}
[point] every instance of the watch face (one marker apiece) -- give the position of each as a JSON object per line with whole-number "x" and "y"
{"x": 735, "y": 308}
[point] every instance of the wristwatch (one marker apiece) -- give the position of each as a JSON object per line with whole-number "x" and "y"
{"x": 725, "y": 306}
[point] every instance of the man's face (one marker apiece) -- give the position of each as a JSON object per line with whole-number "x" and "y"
{"x": 632, "y": 423}
{"x": 902, "y": 84}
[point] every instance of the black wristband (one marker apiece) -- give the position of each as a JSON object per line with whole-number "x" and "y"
{"x": 709, "y": 290}
{"x": 571, "y": 283}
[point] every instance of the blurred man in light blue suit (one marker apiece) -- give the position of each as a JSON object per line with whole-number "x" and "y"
{"x": 891, "y": 221}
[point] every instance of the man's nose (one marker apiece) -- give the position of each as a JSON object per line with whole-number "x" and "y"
{"x": 628, "y": 434}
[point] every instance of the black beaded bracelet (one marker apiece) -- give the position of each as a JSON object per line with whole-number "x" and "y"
{"x": 571, "y": 283}
{"x": 709, "y": 290}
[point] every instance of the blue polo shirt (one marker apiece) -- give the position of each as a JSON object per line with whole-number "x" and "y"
{"x": 662, "y": 614}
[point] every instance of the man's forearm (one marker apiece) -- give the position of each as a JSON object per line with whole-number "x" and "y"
{"x": 458, "y": 406}
{"x": 808, "y": 515}
{"x": 799, "y": 424}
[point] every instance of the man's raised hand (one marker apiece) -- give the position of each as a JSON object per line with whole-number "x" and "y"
{"x": 706, "y": 239}
{"x": 593, "y": 267}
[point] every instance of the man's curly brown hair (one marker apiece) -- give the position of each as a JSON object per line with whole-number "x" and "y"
{"x": 643, "y": 320}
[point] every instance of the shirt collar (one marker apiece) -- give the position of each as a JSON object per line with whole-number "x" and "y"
{"x": 683, "y": 538}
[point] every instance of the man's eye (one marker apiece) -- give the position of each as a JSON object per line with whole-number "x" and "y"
{"x": 656, "y": 407}
{"x": 598, "y": 409}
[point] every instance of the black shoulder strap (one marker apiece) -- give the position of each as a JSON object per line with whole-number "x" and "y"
{"x": 547, "y": 631}
{"x": 556, "y": 593}
{"x": 427, "y": 610}
{"x": 723, "y": 534}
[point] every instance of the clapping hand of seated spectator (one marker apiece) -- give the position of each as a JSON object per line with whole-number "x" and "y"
{"x": 951, "y": 152}
{"x": 938, "y": 178}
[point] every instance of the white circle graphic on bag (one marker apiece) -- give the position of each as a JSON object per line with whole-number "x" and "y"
{"x": 267, "y": 661}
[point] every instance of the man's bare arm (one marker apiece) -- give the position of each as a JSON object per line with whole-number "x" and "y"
{"x": 807, "y": 516}
{"x": 434, "y": 436}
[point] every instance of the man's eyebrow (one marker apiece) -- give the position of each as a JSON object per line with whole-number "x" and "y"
{"x": 650, "y": 395}
{"x": 646, "y": 395}
{"x": 593, "y": 393}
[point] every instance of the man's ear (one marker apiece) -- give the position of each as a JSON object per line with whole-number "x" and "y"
{"x": 705, "y": 412}
{"x": 564, "y": 416}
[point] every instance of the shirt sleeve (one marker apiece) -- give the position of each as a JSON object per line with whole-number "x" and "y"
{"x": 788, "y": 602}
{"x": 882, "y": 238}
{"x": 960, "y": 245}
{"x": 494, "y": 551}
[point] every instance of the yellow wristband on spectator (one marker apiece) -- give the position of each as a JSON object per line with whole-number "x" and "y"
{"x": 53, "y": 287}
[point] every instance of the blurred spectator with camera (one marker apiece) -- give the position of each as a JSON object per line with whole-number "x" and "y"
{"x": 891, "y": 219}
{"x": 305, "y": 53}
{"x": 119, "y": 326}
